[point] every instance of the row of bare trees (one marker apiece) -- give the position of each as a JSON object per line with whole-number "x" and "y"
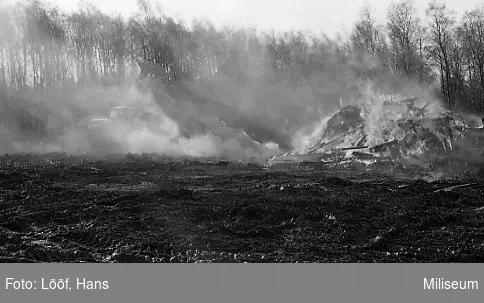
{"x": 42, "y": 47}
{"x": 437, "y": 48}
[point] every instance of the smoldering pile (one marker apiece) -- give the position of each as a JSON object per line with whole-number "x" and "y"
{"x": 405, "y": 133}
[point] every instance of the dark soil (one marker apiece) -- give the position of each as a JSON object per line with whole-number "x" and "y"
{"x": 56, "y": 208}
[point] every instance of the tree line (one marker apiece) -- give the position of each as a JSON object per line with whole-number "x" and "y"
{"x": 43, "y": 48}
{"x": 438, "y": 48}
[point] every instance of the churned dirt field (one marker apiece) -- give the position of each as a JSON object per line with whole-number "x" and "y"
{"x": 58, "y": 208}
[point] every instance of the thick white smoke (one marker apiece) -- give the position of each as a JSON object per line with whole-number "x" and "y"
{"x": 211, "y": 139}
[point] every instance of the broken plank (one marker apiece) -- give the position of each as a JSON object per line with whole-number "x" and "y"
{"x": 450, "y": 188}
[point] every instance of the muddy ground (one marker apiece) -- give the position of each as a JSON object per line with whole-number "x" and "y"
{"x": 57, "y": 208}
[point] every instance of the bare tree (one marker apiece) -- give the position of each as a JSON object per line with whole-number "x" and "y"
{"x": 367, "y": 36}
{"x": 442, "y": 43}
{"x": 471, "y": 34}
{"x": 405, "y": 33}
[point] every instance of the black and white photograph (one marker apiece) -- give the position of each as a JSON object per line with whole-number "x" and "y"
{"x": 230, "y": 131}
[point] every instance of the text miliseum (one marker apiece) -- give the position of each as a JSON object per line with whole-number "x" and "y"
{"x": 443, "y": 284}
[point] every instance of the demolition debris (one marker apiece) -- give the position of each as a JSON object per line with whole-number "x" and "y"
{"x": 395, "y": 132}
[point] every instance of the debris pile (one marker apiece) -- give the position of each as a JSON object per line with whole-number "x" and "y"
{"x": 396, "y": 132}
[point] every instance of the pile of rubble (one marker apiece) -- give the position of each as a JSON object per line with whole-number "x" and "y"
{"x": 398, "y": 131}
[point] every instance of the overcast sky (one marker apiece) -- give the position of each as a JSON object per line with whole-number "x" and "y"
{"x": 318, "y": 16}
